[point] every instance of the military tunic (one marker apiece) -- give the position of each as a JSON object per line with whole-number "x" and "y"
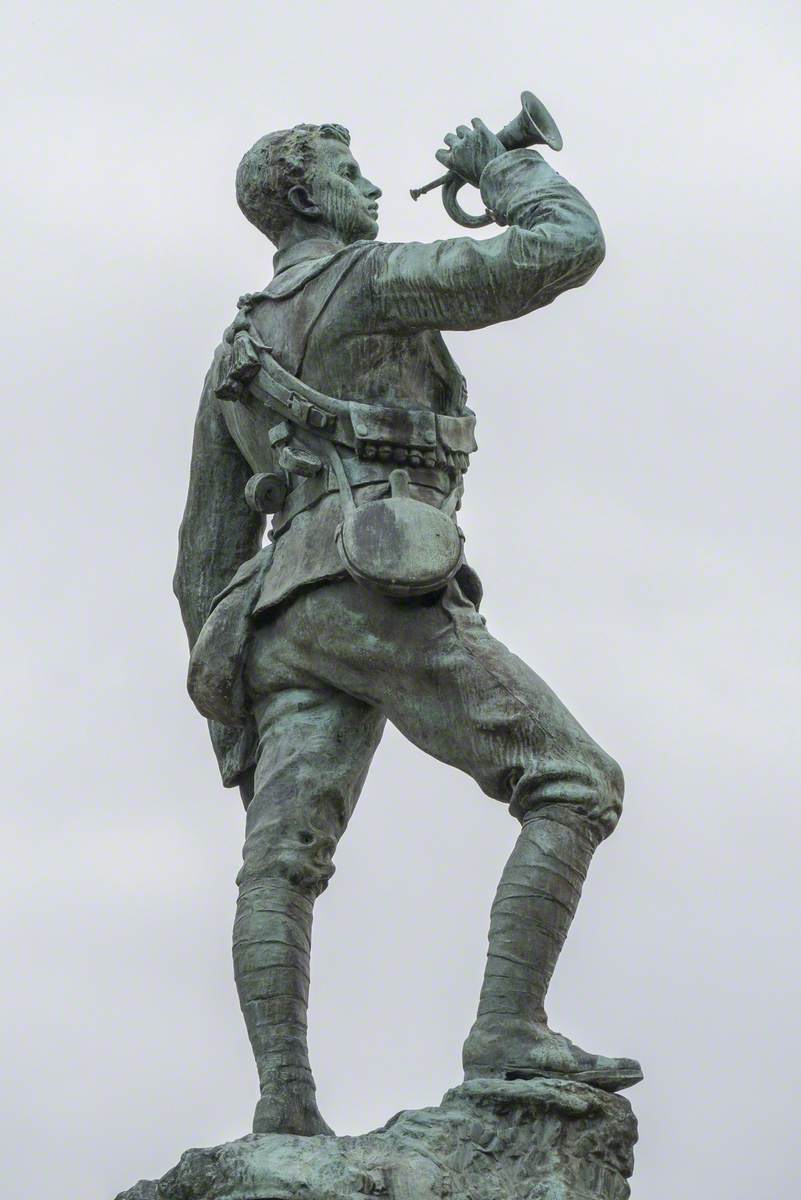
{"x": 361, "y": 322}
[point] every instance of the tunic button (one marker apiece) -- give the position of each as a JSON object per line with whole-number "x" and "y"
{"x": 430, "y": 435}
{"x": 361, "y": 429}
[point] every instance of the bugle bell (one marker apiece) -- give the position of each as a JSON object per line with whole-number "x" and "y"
{"x": 533, "y": 126}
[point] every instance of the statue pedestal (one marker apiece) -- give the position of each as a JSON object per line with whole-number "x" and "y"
{"x": 489, "y": 1140}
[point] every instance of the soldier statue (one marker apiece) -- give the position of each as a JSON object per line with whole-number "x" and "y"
{"x": 334, "y": 406}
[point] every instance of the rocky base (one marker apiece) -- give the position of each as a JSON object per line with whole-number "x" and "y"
{"x": 489, "y": 1140}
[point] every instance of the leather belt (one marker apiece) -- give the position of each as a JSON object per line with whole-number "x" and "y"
{"x": 359, "y": 474}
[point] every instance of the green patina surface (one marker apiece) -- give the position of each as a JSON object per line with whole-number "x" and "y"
{"x": 539, "y": 1139}
{"x": 334, "y": 407}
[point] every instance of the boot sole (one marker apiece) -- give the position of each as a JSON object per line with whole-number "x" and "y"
{"x": 605, "y": 1080}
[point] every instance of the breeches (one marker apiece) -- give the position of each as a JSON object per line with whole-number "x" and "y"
{"x": 324, "y": 674}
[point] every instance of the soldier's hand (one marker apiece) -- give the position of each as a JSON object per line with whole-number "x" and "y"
{"x": 469, "y": 150}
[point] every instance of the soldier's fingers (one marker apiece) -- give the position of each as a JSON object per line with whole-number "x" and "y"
{"x": 449, "y": 139}
{"x": 444, "y": 157}
{"x": 478, "y": 124}
{"x": 462, "y": 130}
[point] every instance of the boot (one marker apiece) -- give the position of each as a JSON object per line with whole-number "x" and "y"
{"x": 272, "y": 944}
{"x": 532, "y": 912}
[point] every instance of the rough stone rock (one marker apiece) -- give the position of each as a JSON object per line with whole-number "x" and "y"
{"x": 489, "y": 1140}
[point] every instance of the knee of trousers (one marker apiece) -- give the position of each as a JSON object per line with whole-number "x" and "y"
{"x": 583, "y": 788}
{"x": 296, "y": 853}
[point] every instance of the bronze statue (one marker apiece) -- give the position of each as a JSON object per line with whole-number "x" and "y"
{"x": 334, "y": 406}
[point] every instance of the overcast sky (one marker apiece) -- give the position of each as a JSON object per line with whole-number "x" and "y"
{"x": 632, "y": 510}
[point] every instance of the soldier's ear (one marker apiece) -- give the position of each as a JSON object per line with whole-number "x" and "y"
{"x": 298, "y": 196}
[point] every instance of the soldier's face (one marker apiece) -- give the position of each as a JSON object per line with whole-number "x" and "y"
{"x": 347, "y": 201}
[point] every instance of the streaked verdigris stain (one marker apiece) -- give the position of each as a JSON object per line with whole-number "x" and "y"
{"x": 334, "y": 408}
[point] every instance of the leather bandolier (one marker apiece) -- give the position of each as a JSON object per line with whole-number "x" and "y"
{"x": 372, "y": 440}
{"x": 401, "y": 544}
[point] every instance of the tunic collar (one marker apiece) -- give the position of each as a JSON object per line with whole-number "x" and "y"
{"x": 305, "y": 251}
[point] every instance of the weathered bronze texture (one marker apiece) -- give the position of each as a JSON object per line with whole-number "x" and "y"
{"x": 488, "y": 1140}
{"x": 533, "y": 126}
{"x": 334, "y": 404}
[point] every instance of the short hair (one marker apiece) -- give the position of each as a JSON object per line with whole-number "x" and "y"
{"x": 275, "y": 164}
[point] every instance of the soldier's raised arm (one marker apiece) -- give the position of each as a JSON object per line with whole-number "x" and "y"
{"x": 553, "y": 243}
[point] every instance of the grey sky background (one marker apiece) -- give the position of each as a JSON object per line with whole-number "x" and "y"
{"x": 633, "y": 513}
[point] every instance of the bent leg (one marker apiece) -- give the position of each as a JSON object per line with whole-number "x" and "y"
{"x": 522, "y": 745}
{"x": 485, "y": 711}
{"x": 456, "y": 692}
{"x": 315, "y": 747}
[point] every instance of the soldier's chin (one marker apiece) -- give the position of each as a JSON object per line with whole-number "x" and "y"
{"x": 363, "y": 228}
{"x": 369, "y": 229}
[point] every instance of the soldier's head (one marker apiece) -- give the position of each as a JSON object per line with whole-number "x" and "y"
{"x": 305, "y": 182}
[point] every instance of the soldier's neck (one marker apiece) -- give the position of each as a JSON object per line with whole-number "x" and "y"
{"x": 304, "y": 231}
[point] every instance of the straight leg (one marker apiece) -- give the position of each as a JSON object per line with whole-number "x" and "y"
{"x": 315, "y": 747}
